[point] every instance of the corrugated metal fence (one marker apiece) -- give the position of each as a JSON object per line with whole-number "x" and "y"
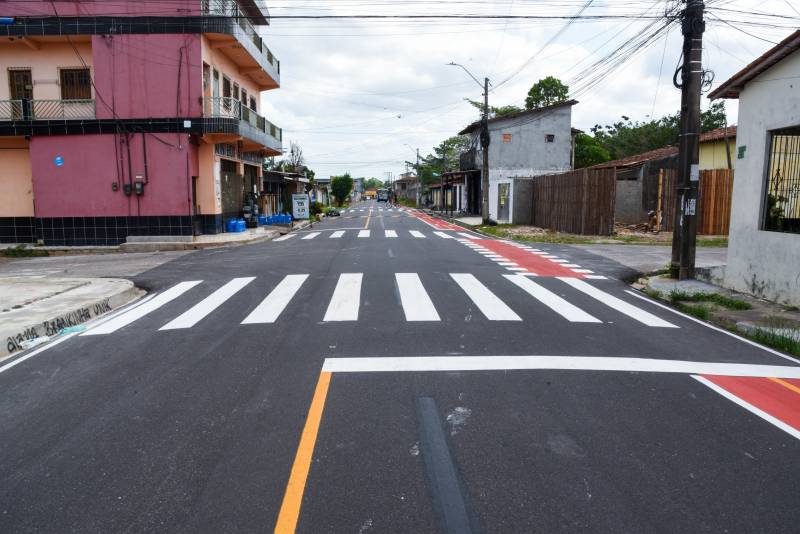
{"x": 576, "y": 202}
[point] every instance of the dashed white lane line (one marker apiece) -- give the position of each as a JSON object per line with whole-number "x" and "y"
{"x": 565, "y": 363}
{"x": 390, "y": 233}
{"x": 199, "y": 311}
{"x": 285, "y": 237}
{"x": 337, "y": 234}
{"x": 443, "y": 235}
{"x": 468, "y": 236}
{"x": 312, "y": 235}
{"x": 490, "y": 305}
{"x": 416, "y": 302}
{"x": 346, "y": 298}
{"x": 568, "y": 311}
{"x": 273, "y": 305}
{"x": 363, "y": 233}
{"x": 620, "y": 305}
{"x": 140, "y": 311}
{"x": 417, "y": 234}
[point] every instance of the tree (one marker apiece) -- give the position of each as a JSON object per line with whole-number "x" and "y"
{"x": 341, "y": 187}
{"x": 295, "y": 159}
{"x": 373, "y": 183}
{"x": 588, "y": 151}
{"x": 545, "y": 92}
{"x": 494, "y": 111}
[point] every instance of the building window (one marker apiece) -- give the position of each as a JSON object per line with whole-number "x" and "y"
{"x": 549, "y": 138}
{"x": 76, "y": 84}
{"x": 782, "y": 195}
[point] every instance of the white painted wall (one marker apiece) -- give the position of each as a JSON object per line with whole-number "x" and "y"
{"x": 526, "y": 154}
{"x": 764, "y": 263}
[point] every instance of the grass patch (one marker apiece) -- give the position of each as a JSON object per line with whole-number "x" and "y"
{"x": 775, "y": 340}
{"x": 652, "y": 293}
{"x": 695, "y": 310}
{"x": 23, "y": 251}
{"x": 791, "y": 308}
{"x": 505, "y": 231}
{"x": 716, "y": 298}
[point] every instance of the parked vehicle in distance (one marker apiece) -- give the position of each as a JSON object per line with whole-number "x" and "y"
{"x": 383, "y": 195}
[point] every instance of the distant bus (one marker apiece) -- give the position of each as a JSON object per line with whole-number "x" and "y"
{"x": 383, "y": 195}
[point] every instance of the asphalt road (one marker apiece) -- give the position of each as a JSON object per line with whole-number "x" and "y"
{"x": 428, "y": 382}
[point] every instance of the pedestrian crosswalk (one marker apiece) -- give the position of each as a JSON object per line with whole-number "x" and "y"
{"x": 338, "y": 234}
{"x": 504, "y": 298}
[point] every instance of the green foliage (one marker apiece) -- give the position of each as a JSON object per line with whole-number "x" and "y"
{"x": 495, "y": 111}
{"x": 341, "y": 187}
{"x": 588, "y": 151}
{"x": 373, "y": 183}
{"x": 716, "y": 298}
{"x": 23, "y": 251}
{"x": 444, "y": 159}
{"x": 545, "y": 92}
{"x": 315, "y": 208}
{"x": 627, "y": 138}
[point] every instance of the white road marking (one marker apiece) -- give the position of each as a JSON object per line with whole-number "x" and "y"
{"x": 273, "y": 305}
{"x": 417, "y": 305}
{"x": 566, "y": 363}
{"x": 490, "y": 305}
{"x": 285, "y": 237}
{"x": 507, "y": 263}
{"x": 346, "y": 298}
{"x": 516, "y": 269}
{"x": 620, "y": 305}
{"x": 585, "y": 271}
{"x": 363, "y": 233}
{"x": 596, "y": 277}
{"x": 337, "y": 234}
{"x": 193, "y": 315}
{"x": 417, "y": 234}
{"x": 443, "y": 235}
{"x": 390, "y": 233}
{"x": 551, "y": 300}
{"x": 571, "y": 265}
{"x": 468, "y": 236}
{"x": 749, "y": 407}
{"x": 33, "y": 353}
{"x": 140, "y": 311}
{"x": 560, "y": 261}
{"x": 312, "y": 235}
{"x": 712, "y": 327}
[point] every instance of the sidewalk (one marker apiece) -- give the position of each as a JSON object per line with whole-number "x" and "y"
{"x": 34, "y": 309}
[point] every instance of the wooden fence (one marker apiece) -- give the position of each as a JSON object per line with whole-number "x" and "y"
{"x": 576, "y": 202}
{"x": 714, "y": 201}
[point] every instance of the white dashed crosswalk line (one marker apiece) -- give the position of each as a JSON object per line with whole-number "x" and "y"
{"x": 417, "y": 234}
{"x": 140, "y": 311}
{"x": 618, "y": 304}
{"x": 273, "y": 305}
{"x": 569, "y": 311}
{"x": 390, "y": 233}
{"x": 312, "y": 235}
{"x": 285, "y": 237}
{"x": 363, "y": 233}
{"x": 196, "y": 313}
{"x": 416, "y": 302}
{"x": 443, "y": 235}
{"x": 490, "y": 305}
{"x": 337, "y": 234}
{"x": 346, "y": 298}
{"x": 468, "y": 236}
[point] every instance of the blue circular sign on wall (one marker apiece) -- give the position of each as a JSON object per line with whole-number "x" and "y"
{"x": 59, "y": 161}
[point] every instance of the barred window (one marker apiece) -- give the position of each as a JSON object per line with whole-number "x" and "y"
{"x": 76, "y": 84}
{"x": 782, "y": 195}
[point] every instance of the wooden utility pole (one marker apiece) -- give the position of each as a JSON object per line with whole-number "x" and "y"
{"x": 684, "y": 234}
{"x": 485, "y": 147}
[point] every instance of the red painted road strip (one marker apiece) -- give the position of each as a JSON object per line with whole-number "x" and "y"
{"x": 434, "y": 222}
{"x": 526, "y": 259}
{"x": 767, "y": 395}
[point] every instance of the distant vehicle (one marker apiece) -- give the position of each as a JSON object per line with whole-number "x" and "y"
{"x": 383, "y": 195}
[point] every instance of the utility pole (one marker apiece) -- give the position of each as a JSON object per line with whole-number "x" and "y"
{"x": 419, "y": 185}
{"x": 485, "y": 152}
{"x": 684, "y": 232}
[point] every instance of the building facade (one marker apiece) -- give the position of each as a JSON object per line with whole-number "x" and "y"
{"x": 764, "y": 246}
{"x": 522, "y": 145}
{"x": 131, "y": 118}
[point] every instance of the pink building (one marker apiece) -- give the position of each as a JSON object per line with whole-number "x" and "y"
{"x": 131, "y": 118}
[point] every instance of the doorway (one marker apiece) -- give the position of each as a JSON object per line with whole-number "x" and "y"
{"x": 502, "y": 202}
{"x": 20, "y": 85}
{"x": 197, "y": 223}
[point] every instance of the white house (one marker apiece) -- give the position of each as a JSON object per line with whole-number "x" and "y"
{"x": 523, "y": 145}
{"x": 764, "y": 248}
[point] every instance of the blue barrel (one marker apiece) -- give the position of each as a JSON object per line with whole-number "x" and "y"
{"x": 262, "y": 220}
{"x": 240, "y": 225}
{"x": 230, "y": 225}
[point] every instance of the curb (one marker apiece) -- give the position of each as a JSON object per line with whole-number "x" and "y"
{"x": 164, "y": 246}
{"x": 14, "y": 342}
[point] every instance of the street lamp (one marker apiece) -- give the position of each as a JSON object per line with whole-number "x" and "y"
{"x": 484, "y": 143}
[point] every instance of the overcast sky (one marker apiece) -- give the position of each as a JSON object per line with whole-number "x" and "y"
{"x": 360, "y": 95}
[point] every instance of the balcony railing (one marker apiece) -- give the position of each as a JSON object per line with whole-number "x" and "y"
{"x": 11, "y": 110}
{"x": 231, "y": 8}
{"x": 230, "y": 108}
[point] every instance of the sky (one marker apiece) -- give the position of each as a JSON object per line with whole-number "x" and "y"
{"x": 361, "y": 95}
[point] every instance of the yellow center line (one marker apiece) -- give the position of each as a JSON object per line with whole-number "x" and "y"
{"x": 293, "y": 498}
{"x": 369, "y": 214}
{"x": 785, "y": 384}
